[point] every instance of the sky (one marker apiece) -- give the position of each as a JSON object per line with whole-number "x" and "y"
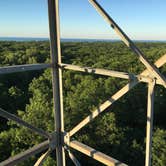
{"x": 140, "y": 19}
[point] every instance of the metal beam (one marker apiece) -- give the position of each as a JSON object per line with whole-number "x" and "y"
{"x": 109, "y": 102}
{"x": 10, "y": 116}
{"x": 149, "y": 128}
{"x": 103, "y": 107}
{"x": 26, "y": 154}
{"x": 53, "y": 10}
{"x": 101, "y": 157}
{"x": 159, "y": 63}
{"x": 111, "y": 73}
{"x": 151, "y": 68}
{"x": 72, "y": 157}
{"x": 42, "y": 158}
{"x": 104, "y": 72}
{"x": 23, "y": 68}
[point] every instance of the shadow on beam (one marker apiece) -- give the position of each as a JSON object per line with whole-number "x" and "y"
{"x": 101, "y": 157}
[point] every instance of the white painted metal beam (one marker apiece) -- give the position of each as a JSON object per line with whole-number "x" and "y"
{"x": 111, "y": 73}
{"x": 104, "y": 72}
{"x": 23, "y": 68}
{"x": 149, "y": 128}
{"x": 55, "y": 47}
{"x": 101, "y": 157}
{"x": 42, "y": 158}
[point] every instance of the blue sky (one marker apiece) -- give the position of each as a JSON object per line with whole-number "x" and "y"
{"x": 140, "y": 19}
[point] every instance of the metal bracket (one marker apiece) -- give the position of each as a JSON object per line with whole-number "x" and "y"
{"x": 66, "y": 138}
{"x": 53, "y": 143}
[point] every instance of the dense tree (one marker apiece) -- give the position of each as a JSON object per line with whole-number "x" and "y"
{"x": 119, "y": 132}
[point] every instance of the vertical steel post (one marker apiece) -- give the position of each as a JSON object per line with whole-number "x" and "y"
{"x": 54, "y": 26}
{"x": 149, "y": 128}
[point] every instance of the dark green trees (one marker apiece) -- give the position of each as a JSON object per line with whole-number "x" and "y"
{"x": 119, "y": 132}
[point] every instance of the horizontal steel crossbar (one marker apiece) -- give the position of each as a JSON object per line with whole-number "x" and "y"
{"x": 23, "y": 68}
{"x": 26, "y": 154}
{"x": 101, "y": 157}
{"x": 106, "y": 72}
{"x": 10, "y": 116}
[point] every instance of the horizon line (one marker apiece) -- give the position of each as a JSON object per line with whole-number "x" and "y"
{"x": 115, "y": 39}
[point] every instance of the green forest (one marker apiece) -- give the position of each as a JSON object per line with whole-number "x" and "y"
{"x": 120, "y": 131}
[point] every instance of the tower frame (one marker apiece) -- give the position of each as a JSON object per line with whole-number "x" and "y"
{"x": 60, "y": 140}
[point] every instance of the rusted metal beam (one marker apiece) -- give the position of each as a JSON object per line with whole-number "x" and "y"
{"x": 109, "y": 102}
{"x": 23, "y": 68}
{"x": 26, "y": 154}
{"x": 10, "y": 116}
{"x": 101, "y": 157}
{"x": 151, "y": 68}
{"x": 149, "y": 128}
{"x": 55, "y": 47}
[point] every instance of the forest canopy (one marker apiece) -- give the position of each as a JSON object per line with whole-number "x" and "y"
{"x": 119, "y": 132}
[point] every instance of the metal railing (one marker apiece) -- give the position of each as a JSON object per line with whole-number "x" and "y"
{"x": 60, "y": 140}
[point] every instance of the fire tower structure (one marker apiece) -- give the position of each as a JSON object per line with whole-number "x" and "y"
{"x": 60, "y": 140}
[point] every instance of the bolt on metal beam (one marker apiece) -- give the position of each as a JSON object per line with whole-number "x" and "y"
{"x": 104, "y": 72}
{"x": 111, "y": 73}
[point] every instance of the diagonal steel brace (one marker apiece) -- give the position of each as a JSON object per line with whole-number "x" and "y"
{"x": 10, "y": 116}
{"x": 160, "y": 62}
{"x": 151, "y": 68}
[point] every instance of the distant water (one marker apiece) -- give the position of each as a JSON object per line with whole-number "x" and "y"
{"x": 22, "y": 39}
{"x": 88, "y": 40}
